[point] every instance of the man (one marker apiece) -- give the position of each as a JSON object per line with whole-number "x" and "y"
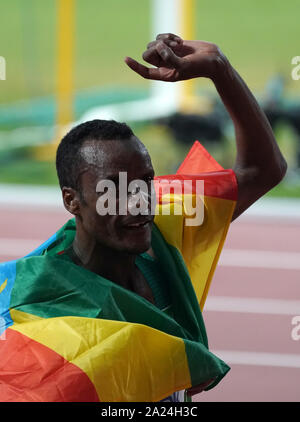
{"x": 114, "y": 299}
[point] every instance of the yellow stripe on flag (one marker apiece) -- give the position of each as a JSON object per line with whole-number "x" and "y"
{"x": 3, "y": 285}
{"x": 200, "y": 246}
{"x": 124, "y": 361}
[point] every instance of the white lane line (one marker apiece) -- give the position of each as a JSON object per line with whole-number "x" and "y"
{"x": 249, "y": 258}
{"x": 50, "y": 197}
{"x": 18, "y": 247}
{"x": 286, "y": 209}
{"x": 234, "y": 357}
{"x": 252, "y": 305}
{"x": 30, "y": 196}
{"x": 229, "y": 257}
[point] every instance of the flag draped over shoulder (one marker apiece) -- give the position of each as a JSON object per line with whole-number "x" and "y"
{"x": 70, "y": 335}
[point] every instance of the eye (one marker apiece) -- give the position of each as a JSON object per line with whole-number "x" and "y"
{"x": 135, "y": 190}
{"x": 102, "y": 192}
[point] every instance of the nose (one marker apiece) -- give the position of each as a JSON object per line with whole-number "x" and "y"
{"x": 141, "y": 201}
{"x": 138, "y": 202}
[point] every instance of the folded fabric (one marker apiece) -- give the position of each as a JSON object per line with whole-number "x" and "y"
{"x": 68, "y": 334}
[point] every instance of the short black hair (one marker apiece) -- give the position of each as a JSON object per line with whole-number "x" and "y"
{"x": 68, "y": 158}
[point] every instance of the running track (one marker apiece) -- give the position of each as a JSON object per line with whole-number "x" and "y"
{"x": 254, "y": 295}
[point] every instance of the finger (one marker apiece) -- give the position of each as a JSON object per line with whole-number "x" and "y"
{"x": 145, "y": 72}
{"x": 169, "y": 36}
{"x": 151, "y": 44}
{"x": 167, "y": 54}
{"x": 170, "y": 43}
{"x": 152, "y": 56}
{"x": 161, "y": 55}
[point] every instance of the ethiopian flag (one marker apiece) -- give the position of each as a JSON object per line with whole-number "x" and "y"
{"x": 68, "y": 334}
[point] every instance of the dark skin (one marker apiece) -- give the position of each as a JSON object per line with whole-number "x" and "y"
{"x": 103, "y": 241}
{"x": 259, "y": 164}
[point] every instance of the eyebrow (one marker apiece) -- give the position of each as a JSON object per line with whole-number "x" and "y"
{"x": 115, "y": 177}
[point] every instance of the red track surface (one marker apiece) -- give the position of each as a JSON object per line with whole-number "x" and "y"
{"x": 227, "y": 330}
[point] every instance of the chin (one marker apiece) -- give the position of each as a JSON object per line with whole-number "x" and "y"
{"x": 138, "y": 248}
{"x": 137, "y": 245}
{"x": 136, "y": 241}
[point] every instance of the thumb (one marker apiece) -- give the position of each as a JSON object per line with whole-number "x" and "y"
{"x": 168, "y": 55}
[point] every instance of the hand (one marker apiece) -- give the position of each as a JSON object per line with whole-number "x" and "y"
{"x": 198, "y": 388}
{"x": 177, "y": 60}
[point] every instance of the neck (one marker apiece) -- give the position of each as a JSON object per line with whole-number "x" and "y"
{"x": 114, "y": 265}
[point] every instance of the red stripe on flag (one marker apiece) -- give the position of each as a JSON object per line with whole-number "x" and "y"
{"x": 220, "y": 184}
{"x": 198, "y": 160}
{"x": 32, "y": 372}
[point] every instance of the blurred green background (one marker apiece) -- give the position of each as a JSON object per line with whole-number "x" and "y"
{"x": 259, "y": 37}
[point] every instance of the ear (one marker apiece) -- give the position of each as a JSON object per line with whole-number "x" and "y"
{"x": 71, "y": 200}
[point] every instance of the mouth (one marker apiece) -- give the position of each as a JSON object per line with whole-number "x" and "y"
{"x": 139, "y": 225}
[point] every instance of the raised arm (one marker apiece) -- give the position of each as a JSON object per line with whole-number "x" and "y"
{"x": 259, "y": 164}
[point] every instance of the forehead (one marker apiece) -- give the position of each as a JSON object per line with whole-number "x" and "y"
{"x": 107, "y": 158}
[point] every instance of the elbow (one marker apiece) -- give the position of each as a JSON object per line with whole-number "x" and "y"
{"x": 270, "y": 175}
{"x": 262, "y": 177}
{"x": 277, "y": 172}
{"x": 265, "y": 177}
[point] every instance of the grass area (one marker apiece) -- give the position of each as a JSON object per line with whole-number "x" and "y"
{"x": 105, "y": 32}
{"x": 259, "y": 37}
{"x": 286, "y": 190}
{"x": 28, "y": 171}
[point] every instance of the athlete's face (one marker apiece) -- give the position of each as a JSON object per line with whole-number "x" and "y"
{"x": 104, "y": 161}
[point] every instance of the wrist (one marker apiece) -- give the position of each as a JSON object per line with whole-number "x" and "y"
{"x": 222, "y": 70}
